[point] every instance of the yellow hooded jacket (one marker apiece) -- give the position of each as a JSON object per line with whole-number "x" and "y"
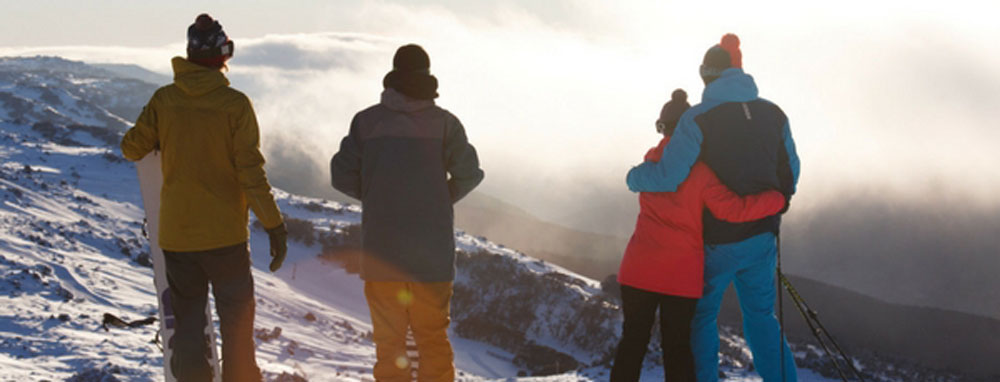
{"x": 212, "y": 165}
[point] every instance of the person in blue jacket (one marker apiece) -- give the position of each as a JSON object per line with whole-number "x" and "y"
{"x": 747, "y": 141}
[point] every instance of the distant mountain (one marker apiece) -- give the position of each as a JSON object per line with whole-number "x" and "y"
{"x": 933, "y": 338}
{"x": 136, "y": 72}
{"x": 941, "y": 254}
{"x": 590, "y": 254}
{"x": 54, "y": 90}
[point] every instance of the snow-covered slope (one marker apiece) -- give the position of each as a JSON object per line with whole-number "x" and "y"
{"x": 50, "y": 89}
{"x": 72, "y": 249}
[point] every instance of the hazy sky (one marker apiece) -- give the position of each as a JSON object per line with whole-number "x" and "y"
{"x": 560, "y": 96}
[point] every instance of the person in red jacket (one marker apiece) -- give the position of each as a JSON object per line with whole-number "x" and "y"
{"x": 662, "y": 265}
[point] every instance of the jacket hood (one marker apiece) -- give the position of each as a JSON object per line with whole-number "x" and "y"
{"x": 195, "y": 79}
{"x": 732, "y": 86}
{"x": 394, "y": 100}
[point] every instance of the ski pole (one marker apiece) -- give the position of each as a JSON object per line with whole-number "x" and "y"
{"x": 817, "y": 327}
{"x": 815, "y": 331}
{"x": 781, "y": 307}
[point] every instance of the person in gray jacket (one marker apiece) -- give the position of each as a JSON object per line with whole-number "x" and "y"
{"x": 408, "y": 161}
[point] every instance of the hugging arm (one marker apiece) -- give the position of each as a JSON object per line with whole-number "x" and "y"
{"x": 728, "y": 206}
{"x": 675, "y": 164}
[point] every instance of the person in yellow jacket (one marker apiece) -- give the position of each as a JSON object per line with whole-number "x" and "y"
{"x": 212, "y": 174}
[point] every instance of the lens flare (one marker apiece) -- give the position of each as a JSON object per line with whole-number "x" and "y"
{"x": 404, "y": 297}
{"x": 402, "y": 362}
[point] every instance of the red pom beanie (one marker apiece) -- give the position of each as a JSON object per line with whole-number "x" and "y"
{"x": 731, "y": 44}
{"x": 724, "y": 55}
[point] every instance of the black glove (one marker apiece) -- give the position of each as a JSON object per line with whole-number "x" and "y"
{"x": 279, "y": 245}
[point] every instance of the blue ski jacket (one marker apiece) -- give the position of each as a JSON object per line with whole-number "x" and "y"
{"x": 745, "y": 139}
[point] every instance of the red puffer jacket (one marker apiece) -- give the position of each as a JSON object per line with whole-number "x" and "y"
{"x": 666, "y": 253}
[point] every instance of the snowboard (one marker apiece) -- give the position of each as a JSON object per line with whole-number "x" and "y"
{"x": 150, "y": 183}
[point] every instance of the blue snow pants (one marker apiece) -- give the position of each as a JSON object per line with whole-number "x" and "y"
{"x": 751, "y": 265}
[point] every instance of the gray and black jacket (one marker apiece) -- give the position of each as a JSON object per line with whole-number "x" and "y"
{"x": 408, "y": 161}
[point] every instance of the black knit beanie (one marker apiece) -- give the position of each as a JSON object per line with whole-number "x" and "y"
{"x": 411, "y": 58}
{"x": 671, "y": 112}
{"x": 411, "y": 73}
{"x": 716, "y": 60}
{"x": 208, "y": 44}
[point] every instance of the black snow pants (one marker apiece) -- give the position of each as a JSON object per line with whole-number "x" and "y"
{"x": 188, "y": 275}
{"x": 639, "y": 307}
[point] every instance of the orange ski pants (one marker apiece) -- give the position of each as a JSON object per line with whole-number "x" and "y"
{"x": 424, "y": 307}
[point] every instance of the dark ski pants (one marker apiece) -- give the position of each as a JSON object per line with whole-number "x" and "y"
{"x": 639, "y": 307}
{"x": 188, "y": 275}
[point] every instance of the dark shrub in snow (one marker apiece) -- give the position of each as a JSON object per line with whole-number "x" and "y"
{"x": 106, "y": 374}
